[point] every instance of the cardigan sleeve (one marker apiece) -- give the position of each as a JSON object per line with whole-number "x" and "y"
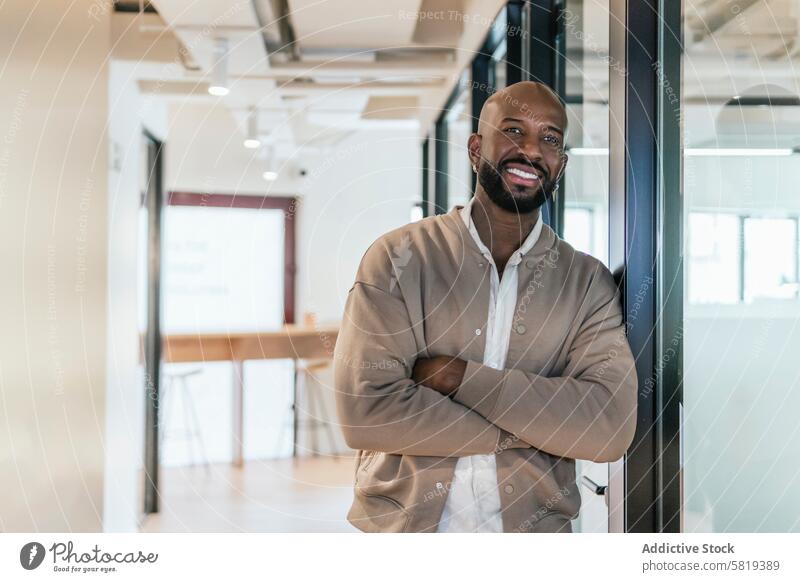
{"x": 379, "y": 406}
{"x": 587, "y": 413}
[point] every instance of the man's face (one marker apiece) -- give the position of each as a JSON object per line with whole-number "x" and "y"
{"x": 520, "y": 150}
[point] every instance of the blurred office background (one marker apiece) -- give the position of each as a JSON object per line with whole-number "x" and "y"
{"x": 209, "y": 170}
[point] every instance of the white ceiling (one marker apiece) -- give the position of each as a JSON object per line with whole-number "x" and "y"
{"x": 349, "y": 52}
{"x": 353, "y": 23}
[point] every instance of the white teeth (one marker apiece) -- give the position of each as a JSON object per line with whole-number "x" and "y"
{"x": 521, "y": 174}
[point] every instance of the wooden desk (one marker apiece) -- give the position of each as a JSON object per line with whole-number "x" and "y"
{"x": 292, "y": 342}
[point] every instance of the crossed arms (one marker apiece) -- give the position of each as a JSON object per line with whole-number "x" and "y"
{"x": 390, "y": 401}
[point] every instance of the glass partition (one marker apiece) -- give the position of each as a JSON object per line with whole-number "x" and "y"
{"x": 459, "y": 128}
{"x": 584, "y": 190}
{"x": 499, "y": 74}
{"x": 741, "y": 120}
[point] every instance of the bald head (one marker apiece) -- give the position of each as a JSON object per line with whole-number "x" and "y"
{"x": 525, "y": 98}
{"x": 518, "y": 151}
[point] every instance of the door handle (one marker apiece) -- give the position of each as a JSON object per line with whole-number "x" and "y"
{"x": 595, "y": 488}
{"x": 592, "y": 486}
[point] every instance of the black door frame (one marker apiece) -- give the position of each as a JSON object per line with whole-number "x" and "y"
{"x": 153, "y": 200}
{"x": 426, "y": 177}
{"x": 645, "y": 251}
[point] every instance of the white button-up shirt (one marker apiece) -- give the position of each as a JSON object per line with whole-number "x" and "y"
{"x": 473, "y": 503}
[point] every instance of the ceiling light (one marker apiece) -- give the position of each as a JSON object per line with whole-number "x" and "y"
{"x": 218, "y": 90}
{"x": 252, "y": 141}
{"x": 738, "y": 151}
{"x": 588, "y": 151}
{"x": 700, "y": 152}
{"x": 219, "y": 73}
{"x": 270, "y": 175}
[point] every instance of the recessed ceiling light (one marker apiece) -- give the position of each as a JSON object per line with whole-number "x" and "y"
{"x": 219, "y": 75}
{"x": 252, "y": 141}
{"x": 218, "y": 90}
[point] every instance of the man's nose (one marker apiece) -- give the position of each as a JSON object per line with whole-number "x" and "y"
{"x": 529, "y": 149}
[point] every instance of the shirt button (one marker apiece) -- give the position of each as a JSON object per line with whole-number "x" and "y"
{"x": 481, "y": 264}
{"x": 521, "y": 329}
{"x": 530, "y": 264}
{"x": 478, "y": 332}
{"x": 509, "y": 489}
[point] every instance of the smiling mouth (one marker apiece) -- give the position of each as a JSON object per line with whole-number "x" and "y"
{"x": 521, "y": 175}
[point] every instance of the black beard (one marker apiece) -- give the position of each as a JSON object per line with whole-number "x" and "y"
{"x": 492, "y": 183}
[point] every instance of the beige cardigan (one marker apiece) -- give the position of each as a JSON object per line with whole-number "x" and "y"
{"x": 569, "y": 390}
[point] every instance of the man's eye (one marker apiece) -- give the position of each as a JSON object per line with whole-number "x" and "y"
{"x": 551, "y": 139}
{"x": 516, "y": 130}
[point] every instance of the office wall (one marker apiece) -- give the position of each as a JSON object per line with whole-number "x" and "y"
{"x": 129, "y": 115}
{"x": 53, "y": 234}
{"x": 362, "y": 189}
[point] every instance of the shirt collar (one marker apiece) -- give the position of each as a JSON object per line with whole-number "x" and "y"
{"x": 527, "y": 244}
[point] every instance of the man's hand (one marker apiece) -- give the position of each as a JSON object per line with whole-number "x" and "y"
{"x": 441, "y": 373}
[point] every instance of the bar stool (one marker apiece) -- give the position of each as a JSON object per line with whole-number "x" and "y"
{"x": 316, "y": 411}
{"x": 179, "y": 381}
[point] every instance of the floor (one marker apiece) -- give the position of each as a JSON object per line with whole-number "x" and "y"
{"x": 284, "y": 495}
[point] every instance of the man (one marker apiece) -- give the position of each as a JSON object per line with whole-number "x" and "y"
{"x": 480, "y": 354}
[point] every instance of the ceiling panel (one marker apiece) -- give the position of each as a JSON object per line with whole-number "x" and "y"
{"x": 354, "y": 23}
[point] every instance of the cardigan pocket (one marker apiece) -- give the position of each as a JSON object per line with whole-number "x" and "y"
{"x": 367, "y": 458}
{"x": 384, "y": 513}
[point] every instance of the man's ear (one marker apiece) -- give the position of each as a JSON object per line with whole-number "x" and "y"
{"x": 564, "y": 160}
{"x": 474, "y": 151}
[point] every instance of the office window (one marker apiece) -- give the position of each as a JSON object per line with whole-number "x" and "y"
{"x": 586, "y": 86}
{"x": 499, "y": 64}
{"x": 713, "y": 253}
{"x": 734, "y": 258}
{"x": 223, "y": 269}
{"x": 579, "y": 229}
{"x": 459, "y": 128}
{"x": 770, "y": 258}
{"x": 416, "y": 213}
